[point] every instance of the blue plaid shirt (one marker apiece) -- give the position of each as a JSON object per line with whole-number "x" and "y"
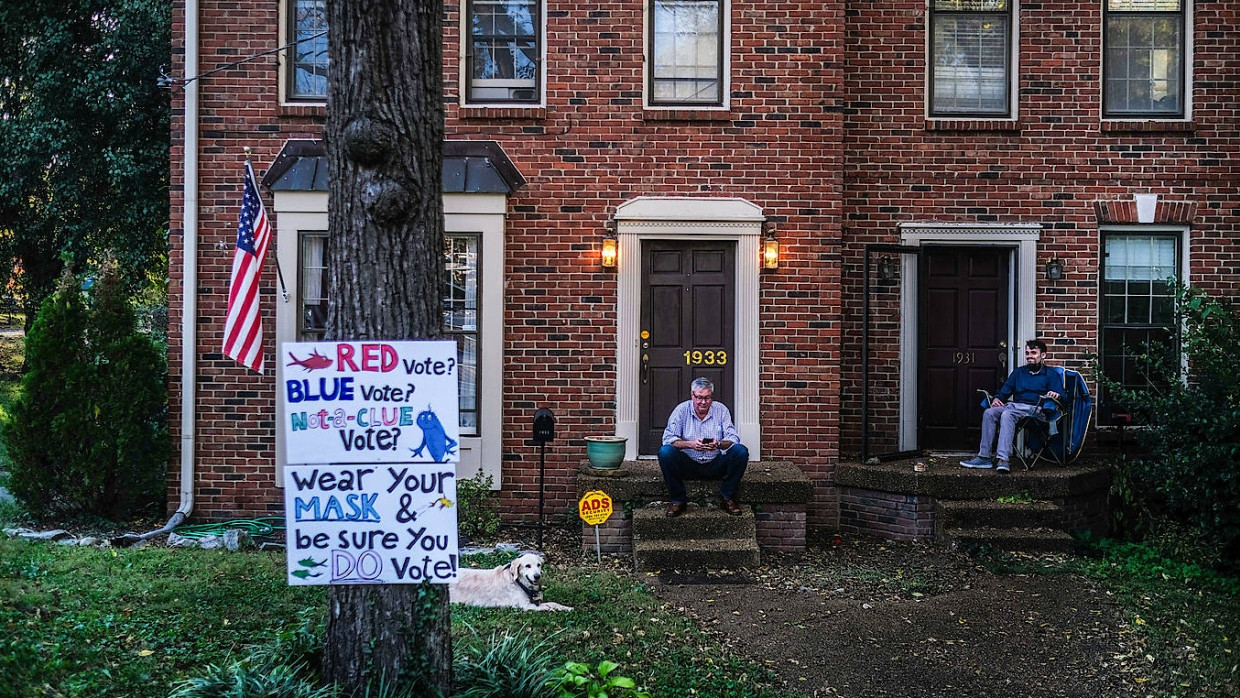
{"x": 684, "y": 425}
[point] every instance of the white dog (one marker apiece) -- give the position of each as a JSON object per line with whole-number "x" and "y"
{"x": 515, "y": 585}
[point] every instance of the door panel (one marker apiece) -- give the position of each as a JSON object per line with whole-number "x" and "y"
{"x": 687, "y": 315}
{"x": 964, "y": 314}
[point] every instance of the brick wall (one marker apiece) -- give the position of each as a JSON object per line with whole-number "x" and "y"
{"x": 615, "y": 536}
{"x": 887, "y": 514}
{"x": 781, "y": 527}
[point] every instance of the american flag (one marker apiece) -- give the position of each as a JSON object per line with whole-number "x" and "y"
{"x": 243, "y": 330}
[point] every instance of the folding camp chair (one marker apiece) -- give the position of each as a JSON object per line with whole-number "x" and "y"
{"x": 1056, "y": 432}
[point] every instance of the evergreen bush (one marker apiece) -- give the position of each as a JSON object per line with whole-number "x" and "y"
{"x": 1190, "y": 418}
{"x": 88, "y": 433}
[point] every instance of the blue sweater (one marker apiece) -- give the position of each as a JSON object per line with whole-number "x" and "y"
{"x": 1027, "y": 387}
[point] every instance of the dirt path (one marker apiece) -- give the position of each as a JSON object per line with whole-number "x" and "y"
{"x": 864, "y": 618}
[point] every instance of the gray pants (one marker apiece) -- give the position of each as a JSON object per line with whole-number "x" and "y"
{"x": 1004, "y": 420}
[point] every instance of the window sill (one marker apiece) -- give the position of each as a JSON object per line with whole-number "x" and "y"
{"x": 503, "y": 112}
{"x": 1148, "y": 126}
{"x": 972, "y": 125}
{"x": 687, "y": 115}
{"x": 303, "y": 109}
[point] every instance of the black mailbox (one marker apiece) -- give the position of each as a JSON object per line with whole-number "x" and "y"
{"x": 544, "y": 425}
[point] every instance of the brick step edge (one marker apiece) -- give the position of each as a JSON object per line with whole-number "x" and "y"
{"x": 697, "y": 522}
{"x": 1024, "y": 540}
{"x": 712, "y": 553}
{"x": 994, "y": 514}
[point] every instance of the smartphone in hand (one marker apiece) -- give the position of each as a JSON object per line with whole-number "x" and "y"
{"x": 707, "y": 441}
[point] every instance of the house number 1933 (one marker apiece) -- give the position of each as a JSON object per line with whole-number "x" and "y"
{"x": 965, "y": 357}
{"x": 697, "y": 357}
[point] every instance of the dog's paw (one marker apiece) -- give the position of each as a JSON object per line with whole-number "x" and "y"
{"x": 553, "y": 606}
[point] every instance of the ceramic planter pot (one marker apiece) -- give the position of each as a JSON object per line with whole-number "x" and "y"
{"x": 605, "y": 452}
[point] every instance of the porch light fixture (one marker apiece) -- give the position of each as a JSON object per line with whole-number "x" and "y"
{"x": 610, "y": 247}
{"x": 770, "y": 252}
{"x": 1054, "y": 269}
{"x": 886, "y": 269}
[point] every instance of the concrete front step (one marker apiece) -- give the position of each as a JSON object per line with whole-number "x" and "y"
{"x": 695, "y": 554}
{"x": 702, "y": 538}
{"x": 1023, "y": 540}
{"x": 994, "y": 514}
{"x": 651, "y": 523}
{"x": 641, "y": 481}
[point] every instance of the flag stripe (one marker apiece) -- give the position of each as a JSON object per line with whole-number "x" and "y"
{"x": 243, "y": 326}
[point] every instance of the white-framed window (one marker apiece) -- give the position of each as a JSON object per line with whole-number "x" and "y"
{"x": 306, "y": 59}
{"x": 971, "y": 58}
{"x": 461, "y": 302}
{"x": 1145, "y": 52}
{"x": 1140, "y": 270}
{"x": 686, "y": 52}
{"x": 312, "y": 285}
{"x": 503, "y": 51}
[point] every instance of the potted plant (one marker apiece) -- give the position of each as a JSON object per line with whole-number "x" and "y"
{"x": 605, "y": 452}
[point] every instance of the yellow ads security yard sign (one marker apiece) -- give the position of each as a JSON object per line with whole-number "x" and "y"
{"x": 595, "y": 507}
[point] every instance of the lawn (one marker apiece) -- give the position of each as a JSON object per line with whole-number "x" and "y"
{"x": 80, "y": 621}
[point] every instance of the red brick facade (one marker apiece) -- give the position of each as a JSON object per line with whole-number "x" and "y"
{"x": 825, "y": 131}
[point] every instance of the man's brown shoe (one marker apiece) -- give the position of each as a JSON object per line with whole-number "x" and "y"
{"x": 675, "y": 509}
{"x": 730, "y": 507}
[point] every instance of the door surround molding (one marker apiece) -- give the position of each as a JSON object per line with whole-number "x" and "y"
{"x": 688, "y": 218}
{"x": 1021, "y": 238}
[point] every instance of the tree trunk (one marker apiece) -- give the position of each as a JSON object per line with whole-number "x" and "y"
{"x": 385, "y": 257}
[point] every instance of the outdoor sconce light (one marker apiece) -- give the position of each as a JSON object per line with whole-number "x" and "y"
{"x": 610, "y": 247}
{"x": 1054, "y": 269}
{"x": 770, "y": 252}
{"x": 886, "y": 269}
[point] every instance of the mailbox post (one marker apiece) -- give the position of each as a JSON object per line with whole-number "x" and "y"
{"x": 544, "y": 431}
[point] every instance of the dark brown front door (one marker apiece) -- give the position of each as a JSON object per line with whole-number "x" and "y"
{"x": 688, "y": 314}
{"x": 964, "y": 320}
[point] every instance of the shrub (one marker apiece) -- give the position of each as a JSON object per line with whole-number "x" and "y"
{"x": 88, "y": 432}
{"x": 476, "y": 515}
{"x": 505, "y": 667}
{"x": 577, "y": 680}
{"x": 1191, "y": 420}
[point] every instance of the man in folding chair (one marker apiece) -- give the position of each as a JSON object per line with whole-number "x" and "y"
{"x": 1019, "y": 397}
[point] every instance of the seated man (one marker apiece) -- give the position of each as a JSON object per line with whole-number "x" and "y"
{"x": 701, "y": 443}
{"x": 1020, "y": 396}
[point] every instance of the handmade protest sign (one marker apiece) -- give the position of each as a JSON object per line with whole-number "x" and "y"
{"x": 384, "y": 524}
{"x": 370, "y": 402}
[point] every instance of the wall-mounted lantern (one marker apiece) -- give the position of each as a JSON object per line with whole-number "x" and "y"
{"x": 886, "y": 269}
{"x": 1054, "y": 269}
{"x": 770, "y": 251}
{"x": 610, "y": 246}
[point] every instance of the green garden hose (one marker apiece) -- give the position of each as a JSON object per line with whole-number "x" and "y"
{"x": 263, "y": 526}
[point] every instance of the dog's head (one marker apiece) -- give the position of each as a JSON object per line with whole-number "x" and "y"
{"x": 527, "y": 569}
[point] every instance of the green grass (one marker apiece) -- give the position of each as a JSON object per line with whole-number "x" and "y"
{"x": 88, "y": 622}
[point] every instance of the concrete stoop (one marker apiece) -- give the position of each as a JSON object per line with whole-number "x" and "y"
{"x": 1024, "y": 540}
{"x": 699, "y": 539}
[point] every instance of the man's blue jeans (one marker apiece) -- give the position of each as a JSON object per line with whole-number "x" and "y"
{"x": 678, "y": 467}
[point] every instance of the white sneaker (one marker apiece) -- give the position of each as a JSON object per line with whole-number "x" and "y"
{"x": 1003, "y": 467}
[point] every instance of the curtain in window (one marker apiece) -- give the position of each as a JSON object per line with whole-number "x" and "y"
{"x": 971, "y": 42}
{"x": 686, "y": 64}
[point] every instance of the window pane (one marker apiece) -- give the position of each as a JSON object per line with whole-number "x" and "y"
{"x": 1143, "y": 64}
{"x": 504, "y": 51}
{"x": 313, "y": 274}
{"x": 686, "y": 66}
{"x": 1138, "y": 301}
{"x": 310, "y": 53}
{"x": 970, "y": 64}
{"x": 460, "y": 319}
{"x": 1144, "y": 5}
{"x": 971, "y": 5}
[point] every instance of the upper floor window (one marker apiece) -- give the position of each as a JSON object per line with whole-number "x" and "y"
{"x": 504, "y": 53}
{"x": 971, "y": 58}
{"x": 1144, "y": 53}
{"x": 307, "y": 64}
{"x": 686, "y": 52}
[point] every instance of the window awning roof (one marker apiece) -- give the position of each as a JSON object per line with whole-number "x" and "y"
{"x": 469, "y": 167}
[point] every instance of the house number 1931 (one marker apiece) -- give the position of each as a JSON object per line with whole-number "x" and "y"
{"x": 965, "y": 357}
